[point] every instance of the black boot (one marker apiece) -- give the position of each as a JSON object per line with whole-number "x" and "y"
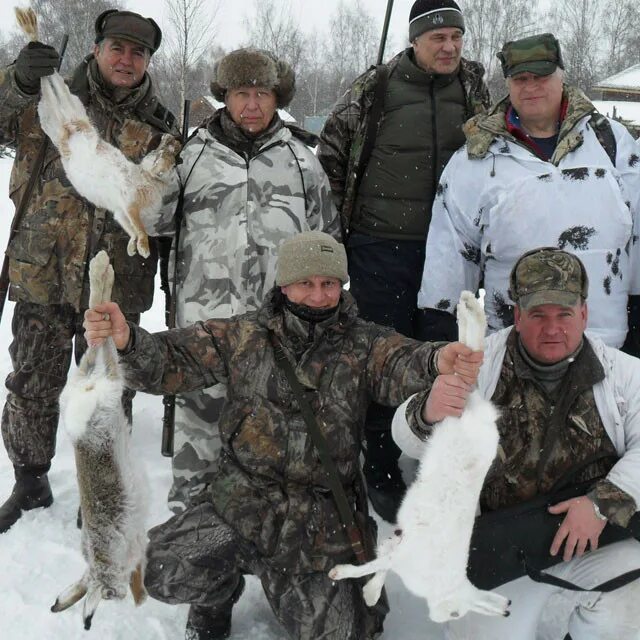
{"x": 385, "y": 485}
{"x": 30, "y": 491}
{"x": 205, "y": 623}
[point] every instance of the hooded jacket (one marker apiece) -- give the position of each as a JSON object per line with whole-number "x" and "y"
{"x": 497, "y": 199}
{"x": 271, "y": 486}
{"x": 240, "y": 201}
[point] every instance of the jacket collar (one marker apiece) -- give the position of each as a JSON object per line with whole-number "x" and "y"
{"x": 482, "y": 130}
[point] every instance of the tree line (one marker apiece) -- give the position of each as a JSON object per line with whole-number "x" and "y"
{"x": 598, "y": 38}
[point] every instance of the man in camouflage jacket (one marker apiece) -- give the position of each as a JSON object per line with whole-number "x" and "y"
{"x": 384, "y": 197}
{"x": 269, "y": 509}
{"x": 246, "y": 181}
{"x": 60, "y": 231}
{"x": 567, "y": 402}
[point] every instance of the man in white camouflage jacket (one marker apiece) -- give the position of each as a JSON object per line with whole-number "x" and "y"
{"x": 248, "y": 181}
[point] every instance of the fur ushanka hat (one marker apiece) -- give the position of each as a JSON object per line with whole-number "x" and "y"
{"x": 253, "y": 68}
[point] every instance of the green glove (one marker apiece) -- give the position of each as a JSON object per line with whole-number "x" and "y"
{"x": 35, "y": 61}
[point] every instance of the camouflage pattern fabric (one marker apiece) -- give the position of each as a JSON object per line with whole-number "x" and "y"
{"x": 539, "y": 54}
{"x": 196, "y": 444}
{"x": 237, "y": 210}
{"x": 197, "y": 558}
{"x": 548, "y": 276}
{"x": 497, "y": 199}
{"x": 59, "y": 229}
{"x": 40, "y": 354}
{"x": 271, "y": 486}
{"x": 342, "y": 137}
{"x": 50, "y": 250}
{"x": 526, "y": 416}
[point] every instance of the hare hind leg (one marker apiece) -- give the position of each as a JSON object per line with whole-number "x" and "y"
{"x": 71, "y": 594}
{"x": 136, "y": 584}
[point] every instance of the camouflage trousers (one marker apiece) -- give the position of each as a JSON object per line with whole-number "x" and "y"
{"x": 197, "y": 558}
{"x": 196, "y": 444}
{"x": 41, "y": 353}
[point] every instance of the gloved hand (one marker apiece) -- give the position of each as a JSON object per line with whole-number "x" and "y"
{"x": 35, "y": 61}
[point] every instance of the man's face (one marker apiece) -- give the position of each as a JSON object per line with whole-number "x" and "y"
{"x": 536, "y": 98}
{"x": 439, "y": 50}
{"x": 551, "y": 332}
{"x": 317, "y": 292}
{"x": 251, "y": 108}
{"x": 122, "y": 63}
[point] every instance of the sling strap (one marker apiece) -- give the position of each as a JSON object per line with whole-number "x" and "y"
{"x": 373, "y": 124}
{"x": 339, "y": 495}
{"x": 540, "y": 576}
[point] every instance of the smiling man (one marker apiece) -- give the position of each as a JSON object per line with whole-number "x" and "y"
{"x": 60, "y": 232}
{"x": 543, "y": 167}
{"x": 383, "y": 147}
{"x": 569, "y": 409}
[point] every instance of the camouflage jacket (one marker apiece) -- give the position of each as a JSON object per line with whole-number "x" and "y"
{"x": 598, "y": 412}
{"x": 343, "y": 134}
{"x": 498, "y": 199}
{"x": 237, "y": 208}
{"x": 271, "y": 486}
{"x": 60, "y": 229}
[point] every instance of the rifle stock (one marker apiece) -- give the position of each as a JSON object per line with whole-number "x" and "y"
{"x": 169, "y": 402}
{"x": 24, "y": 201}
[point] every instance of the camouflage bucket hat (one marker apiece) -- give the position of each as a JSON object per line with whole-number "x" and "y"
{"x": 548, "y": 276}
{"x": 537, "y": 54}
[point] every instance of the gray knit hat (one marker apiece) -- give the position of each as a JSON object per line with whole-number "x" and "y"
{"x": 312, "y": 253}
{"x": 253, "y": 68}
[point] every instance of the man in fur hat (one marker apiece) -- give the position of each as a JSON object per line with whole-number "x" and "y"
{"x": 269, "y": 510}
{"x": 60, "y": 231}
{"x": 248, "y": 181}
{"x": 383, "y": 147}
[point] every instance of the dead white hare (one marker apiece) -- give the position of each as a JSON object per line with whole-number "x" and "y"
{"x": 429, "y": 548}
{"x": 111, "y": 484}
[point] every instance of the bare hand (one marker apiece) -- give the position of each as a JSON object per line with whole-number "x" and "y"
{"x": 103, "y": 321}
{"x": 456, "y": 358}
{"x": 580, "y": 527}
{"x": 447, "y": 398}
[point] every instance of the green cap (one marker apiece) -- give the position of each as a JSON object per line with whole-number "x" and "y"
{"x": 548, "y": 276}
{"x": 312, "y": 253}
{"x": 537, "y": 54}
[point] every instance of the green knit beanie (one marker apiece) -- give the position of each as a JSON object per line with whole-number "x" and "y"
{"x": 312, "y": 253}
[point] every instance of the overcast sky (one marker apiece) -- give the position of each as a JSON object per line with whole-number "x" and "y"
{"x": 230, "y": 30}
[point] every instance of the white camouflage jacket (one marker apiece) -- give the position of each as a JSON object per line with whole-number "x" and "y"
{"x": 237, "y": 210}
{"x": 497, "y": 199}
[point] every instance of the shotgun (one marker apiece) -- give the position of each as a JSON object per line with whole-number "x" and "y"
{"x": 169, "y": 402}
{"x": 385, "y": 31}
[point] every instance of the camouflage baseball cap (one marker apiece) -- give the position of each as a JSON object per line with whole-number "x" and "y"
{"x": 537, "y": 54}
{"x": 548, "y": 276}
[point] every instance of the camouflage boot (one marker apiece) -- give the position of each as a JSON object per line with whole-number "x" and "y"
{"x": 206, "y": 623}
{"x": 30, "y": 491}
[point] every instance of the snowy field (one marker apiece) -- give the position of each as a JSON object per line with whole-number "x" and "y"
{"x": 41, "y": 555}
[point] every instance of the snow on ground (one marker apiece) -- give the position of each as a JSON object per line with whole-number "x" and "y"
{"x": 41, "y": 555}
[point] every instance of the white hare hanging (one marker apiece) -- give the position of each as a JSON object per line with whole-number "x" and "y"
{"x": 429, "y": 547}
